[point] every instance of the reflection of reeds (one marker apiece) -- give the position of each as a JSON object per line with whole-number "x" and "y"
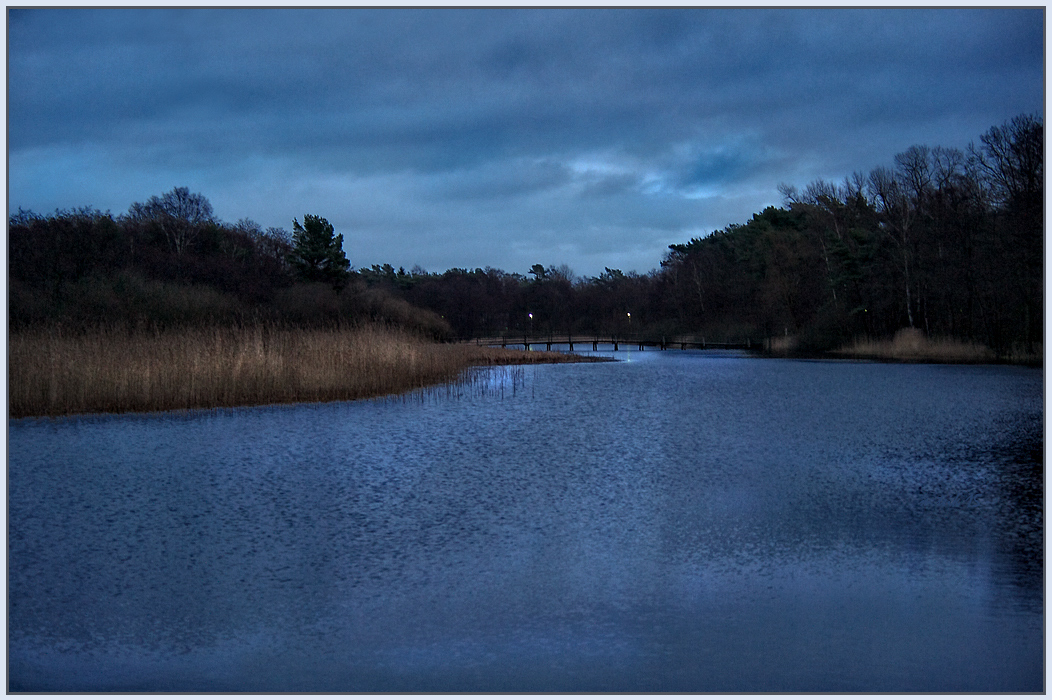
{"x": 911, "y": 345}
{"x": 52, "y": 372}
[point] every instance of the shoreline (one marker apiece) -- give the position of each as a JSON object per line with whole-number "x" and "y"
{"x": 54, "y": 373}
{"x": 913, "y": 346}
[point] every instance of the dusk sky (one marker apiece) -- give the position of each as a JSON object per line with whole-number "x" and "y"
{"x": 471, "y": 138}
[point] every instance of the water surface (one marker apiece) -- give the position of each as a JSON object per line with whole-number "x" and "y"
{"x": 683, "y": 521}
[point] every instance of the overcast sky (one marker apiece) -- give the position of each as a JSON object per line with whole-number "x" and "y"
{"x": 503, "y": 138}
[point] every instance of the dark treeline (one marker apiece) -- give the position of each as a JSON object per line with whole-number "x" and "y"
{"x": 946, "y": 241}
{"x": 169, "y": 263}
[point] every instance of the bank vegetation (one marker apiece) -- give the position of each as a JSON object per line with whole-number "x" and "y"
{"x": 54, "y": 372}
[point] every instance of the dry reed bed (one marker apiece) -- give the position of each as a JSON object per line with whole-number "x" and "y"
{"x": 911, "y": 345}
{"x": 51, "y": 372}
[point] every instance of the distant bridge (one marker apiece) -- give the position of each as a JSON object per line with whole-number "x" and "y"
{"x": 528, "y": 342}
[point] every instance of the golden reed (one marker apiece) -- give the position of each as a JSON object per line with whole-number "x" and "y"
{"x": 53, "y": 372}
{"x": 912, "y": 345}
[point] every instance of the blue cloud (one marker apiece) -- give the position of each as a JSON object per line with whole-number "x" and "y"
{"x": 699, "y": 113}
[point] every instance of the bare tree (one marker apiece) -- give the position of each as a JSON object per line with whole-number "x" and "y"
{"x": 855, "y": 185}
{"x": 828, "y": 199}
{"x": 893, "y": 204}
{"x": 790, "y": 195}
{"x": 947, "y": 167}
{"x": 1012, "y": 159}
{"x": 563, "y": 272}
{"x": 180, "y": 213}
{"x": 1011, "y": 162}
{"x": 914, "y": 173}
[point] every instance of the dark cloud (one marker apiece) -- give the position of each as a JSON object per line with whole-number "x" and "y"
{"x": 594, "y": 135}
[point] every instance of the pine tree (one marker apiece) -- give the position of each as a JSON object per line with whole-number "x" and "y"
{"x": 317, "y": 252}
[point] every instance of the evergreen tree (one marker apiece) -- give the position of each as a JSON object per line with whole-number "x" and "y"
{"x": 317, "y": 252}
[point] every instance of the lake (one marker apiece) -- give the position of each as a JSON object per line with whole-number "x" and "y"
{"x": 680, "y": 521}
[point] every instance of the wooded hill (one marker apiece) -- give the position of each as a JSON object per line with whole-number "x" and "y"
{"x": 944, "y": 240}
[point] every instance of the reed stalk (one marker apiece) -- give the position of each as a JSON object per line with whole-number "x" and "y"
{"x": 52, "y": 372}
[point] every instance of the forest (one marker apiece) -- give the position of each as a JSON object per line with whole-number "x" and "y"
{"x": 943, "y": 240}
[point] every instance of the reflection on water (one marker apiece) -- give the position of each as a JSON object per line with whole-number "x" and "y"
{"x": 687, "y": 521}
